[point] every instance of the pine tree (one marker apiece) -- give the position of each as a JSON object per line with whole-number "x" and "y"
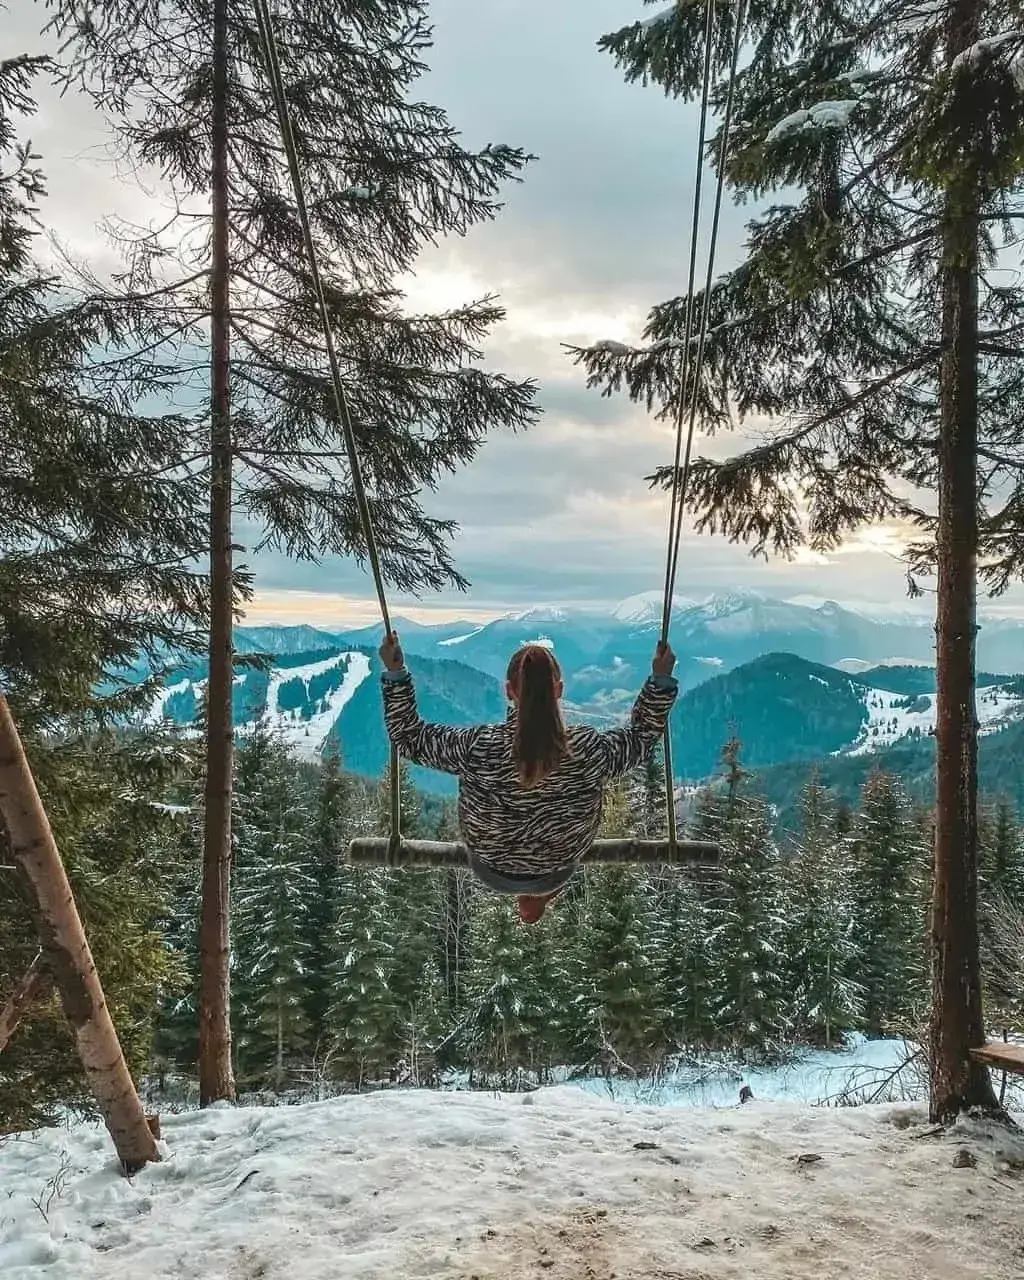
{"x": 383, "y": 176}
{"x": 98, "y": 538}
{"x": 620, "y": 1003}
{"x": 411, "y": 803}
{"x": 458, "y": 892}
{"x": 889, "y": 859}
{"x": 100, "y": 529}
{"x": 871, "y": 320}
{"x": 510, "y": 1005}
{"x": 334, "y": 826}
{"x": 276, "y": 887}
{"x": 119, "y": 849}
{"x": 745, "y": 938}
{"x": 415, "y": 903}
{"x": 1001, "y": 886}
{"x": 176, "y": 1043}
{"x": 364, "y": 1019}
{"x": 820, "y": 946}
{"x": 647, "y": 799}
{"x": 685, "y": 966}
{"x": 1001, "y": 870}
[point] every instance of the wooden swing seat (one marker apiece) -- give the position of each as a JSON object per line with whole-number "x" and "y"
{"x": 381, "y": 852}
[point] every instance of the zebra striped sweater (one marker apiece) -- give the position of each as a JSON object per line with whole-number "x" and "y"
{"x": 527, "y": 831}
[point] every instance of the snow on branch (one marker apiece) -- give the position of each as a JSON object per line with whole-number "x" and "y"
{"x": 823, "y": 115}
{"x": 664, "y": 16}
{"x": 612, "y": 348}
{"x": 988, "y": 49}
{"x": 981, "y": 49}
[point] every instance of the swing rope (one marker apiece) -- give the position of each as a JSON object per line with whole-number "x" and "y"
{"x": 686, "y": 408}
{"x": 341, "y": 404}
{"x": 689, "y": 378}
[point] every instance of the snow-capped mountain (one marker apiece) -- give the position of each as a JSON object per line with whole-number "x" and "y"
{"x": 647, "y": 607}
{"x": 604, "y": 651}
{"x": 784, "y": 709}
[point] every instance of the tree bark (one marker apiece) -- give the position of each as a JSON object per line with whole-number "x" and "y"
{"x": 216, "y": 1078}
{"x": 67, "y": 955}
{"x": 35, "y": 983}
{"x": 957, "y": 1022}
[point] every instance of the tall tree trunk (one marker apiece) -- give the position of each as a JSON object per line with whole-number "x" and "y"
{"x": 452, "y": 938}
{"x": 35, "y": 983}
{"x": 957, "y": 1024}
{"x": 67, "y": 955}
{"x": 279, "y": 1063}
{"x": 216, "y": 1079}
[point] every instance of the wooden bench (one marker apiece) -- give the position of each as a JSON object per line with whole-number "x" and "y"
{"x": 1001, "y": 1056}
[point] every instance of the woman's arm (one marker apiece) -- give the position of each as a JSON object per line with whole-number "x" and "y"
{"x": 629, "y": 748}
{"x": 437, "y": 746}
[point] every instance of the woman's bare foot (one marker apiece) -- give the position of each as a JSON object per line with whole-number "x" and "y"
{"x": 532, "y": 906}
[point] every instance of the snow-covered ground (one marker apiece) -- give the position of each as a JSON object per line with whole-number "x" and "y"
{"x": 555, "y": 1183}
{"x": 306, "y": 738}
{"x": 888, "y": 722}
{"x": 859, "y": 1073}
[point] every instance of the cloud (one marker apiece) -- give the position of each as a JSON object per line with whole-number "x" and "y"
{"x": 596, "y": 233}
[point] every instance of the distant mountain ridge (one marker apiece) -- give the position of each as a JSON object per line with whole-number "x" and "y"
{"x": 605, "y": 654}
{"x": 325, "y": 698}
{"x": 782, "y": 707}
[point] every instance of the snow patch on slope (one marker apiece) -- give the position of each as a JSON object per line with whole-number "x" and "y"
{"x": 889, "y": 721}
{"x": 306, "y": 738}
{"x": 459, "y": 639}
{"x": 164, "y": 695}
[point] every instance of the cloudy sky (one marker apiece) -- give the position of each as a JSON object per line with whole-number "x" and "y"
{"x": 594, "y": 236}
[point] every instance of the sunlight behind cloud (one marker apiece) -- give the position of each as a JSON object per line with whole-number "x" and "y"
{"x": 328, "y": 611}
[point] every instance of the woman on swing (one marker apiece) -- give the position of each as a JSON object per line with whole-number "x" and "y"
{"x": 531, "y": 790}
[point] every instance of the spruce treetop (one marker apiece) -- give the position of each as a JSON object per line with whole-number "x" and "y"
{"x": 867, "y": 126}
{"x": 385, "y": 175}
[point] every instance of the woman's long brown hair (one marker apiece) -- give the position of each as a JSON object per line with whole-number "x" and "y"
{"x": 540, "y": 741}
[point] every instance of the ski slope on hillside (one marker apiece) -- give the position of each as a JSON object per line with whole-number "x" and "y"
{"x": 559, "y": 1184}
{"x": 444, "y": 644}
{"x": 163, "y": 696}
{"x": 888, "y": 722}
{"x": 306, "y": 738}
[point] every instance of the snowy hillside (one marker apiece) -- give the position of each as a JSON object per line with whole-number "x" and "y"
{"x": 891, "y": 716}
{"x": 307, "y": 733}
{"x": 555, "y": 1183}
{"x": 300, "y": 702}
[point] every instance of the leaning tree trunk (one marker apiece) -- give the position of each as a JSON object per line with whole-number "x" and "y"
{"x": 957, "y": 1024}
{"x": 216, "y": 1079}
{"x": 67, "y": 955}
{"x": 32, "y": 986}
